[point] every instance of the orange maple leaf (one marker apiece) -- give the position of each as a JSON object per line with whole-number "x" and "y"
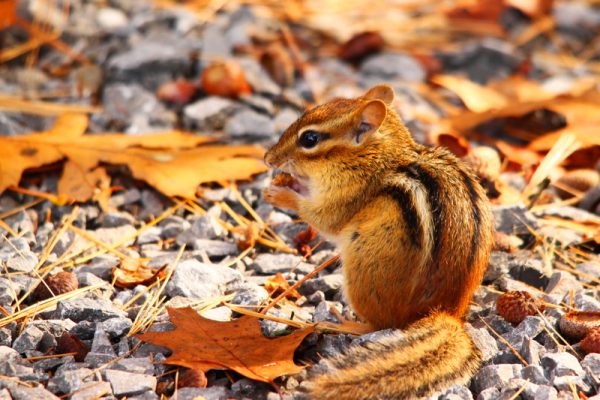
{"x": 204, "y": 344}
{"x": 173, "y": 162}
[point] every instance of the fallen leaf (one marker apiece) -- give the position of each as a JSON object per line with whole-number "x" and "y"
{"x": 533, "y": 8}
{"x": 476, "y": 97}
{"x": 133, "y": 272}
{"x": 8, "y": 13}
{"x": 361, "y": 45}
{"x": 169, "y": 161}
{"x": 277, "y": 284}
{"x": 204, "y": 344}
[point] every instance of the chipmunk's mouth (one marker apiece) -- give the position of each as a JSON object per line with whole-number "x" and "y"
{"x": 298, "y": 184}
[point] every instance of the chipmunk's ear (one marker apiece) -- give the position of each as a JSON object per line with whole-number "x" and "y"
{"x": 372, "y": 115}
{"x": 381, "y": 92}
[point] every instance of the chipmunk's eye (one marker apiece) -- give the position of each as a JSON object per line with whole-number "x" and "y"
{"x": 309, "y": 139}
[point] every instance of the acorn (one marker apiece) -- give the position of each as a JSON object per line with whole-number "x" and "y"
{"x": 225, "y": 79}
{"x": 514, "y": 306}
{"x": 192, "y": 378}
{"x": 591, "y": 341}
{"x": 56, "y": 284}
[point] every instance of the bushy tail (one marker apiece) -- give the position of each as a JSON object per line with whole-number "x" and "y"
{"x": 432, "y": 354}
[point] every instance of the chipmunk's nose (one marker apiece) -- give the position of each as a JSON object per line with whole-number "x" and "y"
{"x": 270, "y": 159}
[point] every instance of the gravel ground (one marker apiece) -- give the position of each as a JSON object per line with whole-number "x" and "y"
{"x": 137, "y": 49}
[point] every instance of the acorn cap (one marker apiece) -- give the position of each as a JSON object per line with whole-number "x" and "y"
{"x": 577, "y": 324}
{"x": 514, "y": 306}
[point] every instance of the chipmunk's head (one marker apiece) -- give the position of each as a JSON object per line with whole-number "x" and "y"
{"x": 343, "y": 138}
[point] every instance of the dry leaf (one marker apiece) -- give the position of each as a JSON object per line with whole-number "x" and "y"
{"x": 533, "y": 8}
{"x": 8, "y": 13}
{"x": 133, "y": 272}
{"x": 361, "y": 45}
{"x": 169, "y": 161}
{"x": 476, "y": 97}
{"x": 204, "y": 344}
{"x": 277, "y": 284}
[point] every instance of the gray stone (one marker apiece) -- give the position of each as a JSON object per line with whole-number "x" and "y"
{"x": 24, "y": 261}
{"x": 11, "y": 364}
{"x": 584, "y": 302}
{"x": 29, "y": 339}
{"x": 535, "y": 374}
{"x": 67, "y": 381}
{"x": 210, "y": 393}
{"x": 484, "y": 341}
{"x": 284, "y": 119}
{"x": 591, "y": 269}
{"x": 327, "y": 284}
{"x": 257, "y": 77}
{"x": 259, "y": 103}
{"x": 530, "y": 327}
{"x": 531, "y": 350}
{"x": 202, "y": 281}
{"x": 591, "y": 366}
{"x": 92, "y": 390}
{"x": 89, "y": 279}
{"x": 149, "y": 235}
{"x": 496, "y": 376}
{"x": 87, "y": 309}
{"x": 138, "y": 365}
{"x": 530, "y": 270}
{"x": 10, "y": 248}
{"x": 537, "y": 392}
{"x": 116, "y": 327}
{"x": 216, "y": 44}
{"x": 565, "y": 383}
{"x": 561, "y": 283}
{"x": 390, "y": 65}
{"x": 8, "y": 292}
{"x": 561, "y": 364}
{"x": 101, "y": 266}
{"x": 456, "y": 392}
{"x": 162, "y": 54}
{"x": 102, "y": 350}
{"x": 491, "y": 393}
{"x": 514, "y": 219}
{"x": 270, "y": 264}
{"x": 134, "y": 109}
{"x": 208, "y": 114}
{"x": 215, "y": 248}
{"x": 125, "y": 198}
{"x": 21, "y": 392}
{"x": 497, "y": 266}
{"x": 129, "y": 384}
{"x": 5, "y": 337}
{"x": 485, "y": 59}
{"x": 250, "y": 123}
{"x": 113, "y": 219}
{"x": 377, "y": 336}
{"x": 566, "y": 212}
{"x": 250, "y": 294}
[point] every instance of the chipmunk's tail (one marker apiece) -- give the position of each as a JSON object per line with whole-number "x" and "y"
{"x": 431, "y": 354}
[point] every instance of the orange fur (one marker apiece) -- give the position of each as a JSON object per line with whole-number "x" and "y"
{"x": 412, "y": 224}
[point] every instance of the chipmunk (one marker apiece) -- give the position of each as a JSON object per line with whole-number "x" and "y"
{"x": 414, "y": 230}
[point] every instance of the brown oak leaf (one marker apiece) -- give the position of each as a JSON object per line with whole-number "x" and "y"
{"x": 204, "y": 344}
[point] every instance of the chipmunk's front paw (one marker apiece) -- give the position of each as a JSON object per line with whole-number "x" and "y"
{"x": 281, "y": 196}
